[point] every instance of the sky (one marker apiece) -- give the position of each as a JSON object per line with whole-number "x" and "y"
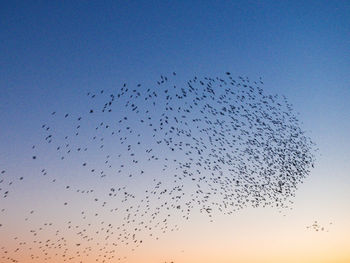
{"x": 52, "y": 53}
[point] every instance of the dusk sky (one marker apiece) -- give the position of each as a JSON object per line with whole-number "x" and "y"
{"x": 54, "y": 53}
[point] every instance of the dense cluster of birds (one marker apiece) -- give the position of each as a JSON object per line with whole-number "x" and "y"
{"x": 141, "y": 158}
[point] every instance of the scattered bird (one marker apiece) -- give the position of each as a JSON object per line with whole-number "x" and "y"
{"x": 316, "y": 226}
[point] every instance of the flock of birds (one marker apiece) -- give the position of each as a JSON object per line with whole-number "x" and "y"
{"x": 316, "y": 226}
{"x": 139, "y": 159}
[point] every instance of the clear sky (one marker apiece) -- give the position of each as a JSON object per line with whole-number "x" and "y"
{"x": 53, "y": 52}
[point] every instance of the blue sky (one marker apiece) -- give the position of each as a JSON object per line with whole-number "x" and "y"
{"x": 53, "y": 52}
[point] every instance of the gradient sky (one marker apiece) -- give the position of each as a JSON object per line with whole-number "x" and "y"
{"x": 52, "y": 53}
